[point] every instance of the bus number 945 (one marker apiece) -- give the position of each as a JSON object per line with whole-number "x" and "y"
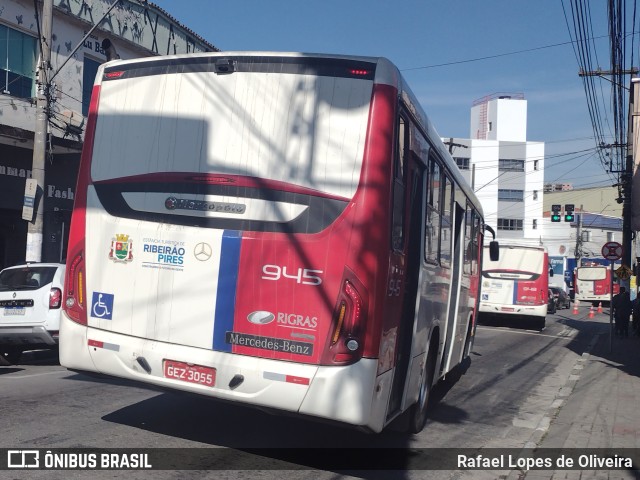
{"x": 303, "y": 276}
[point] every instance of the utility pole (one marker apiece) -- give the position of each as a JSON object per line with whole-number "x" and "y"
{"x": 452, "y": 144}
{"x": 626, "y": 179}
{"x": 634, "y": 131}
{"x": 35, "y": 227}
{"x": 627, "y": 172}
{"x": 578, "y": 251}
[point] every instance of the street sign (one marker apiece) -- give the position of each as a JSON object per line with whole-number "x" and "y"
{"x": 623, "y": 272}
{"x": 30, "y": 190}
{"x": 612, "y": 251}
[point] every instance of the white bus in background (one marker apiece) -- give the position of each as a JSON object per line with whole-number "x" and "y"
{"x": 593, "y": 283}
{"x": 515, "y": 288}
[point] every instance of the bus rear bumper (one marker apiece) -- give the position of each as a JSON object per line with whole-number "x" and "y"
{"x": 349, "y": 394}
{"x": 526, "y": 310}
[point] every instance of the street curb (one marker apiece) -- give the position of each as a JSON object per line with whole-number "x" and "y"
{"x": 556, "y": 405}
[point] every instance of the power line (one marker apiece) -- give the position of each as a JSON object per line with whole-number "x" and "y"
{"x": 488, "y": 57}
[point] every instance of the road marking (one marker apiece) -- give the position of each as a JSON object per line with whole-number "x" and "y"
{"x": 563, "y": 334}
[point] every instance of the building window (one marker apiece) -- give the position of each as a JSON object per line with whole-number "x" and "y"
{"x": 510, "y": 165}
{"x": 17, "y": 63}
{"x": 463, "y": 163}
{"x": 511, "y": 195}
{"x": 535, "y": 224}
{"x": 89, "y": 70}
{"x": 509, "y": 224}
{"x": 535, "y": 194}
{"x": 535, "y": 164}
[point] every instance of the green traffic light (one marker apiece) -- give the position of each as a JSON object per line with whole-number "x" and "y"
{"x": 569, "y": 218}
{"x": 555, "y": 218}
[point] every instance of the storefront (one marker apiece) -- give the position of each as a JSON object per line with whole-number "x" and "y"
{"x": 60, "y": 179}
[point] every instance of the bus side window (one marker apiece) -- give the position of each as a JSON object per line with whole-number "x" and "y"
{"x": 432, "y": 221}
{"x": 399, "y": 187}
{"x": 446, "y": 210}
{"x": 468, "y": 240}
{"x": 477, "y": 239}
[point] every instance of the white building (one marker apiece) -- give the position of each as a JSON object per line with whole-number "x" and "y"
{"x": 136, "y": 29}
{"x": 505, "y": 170}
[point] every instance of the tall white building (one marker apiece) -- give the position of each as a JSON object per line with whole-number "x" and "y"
{"x": 505, "y": 170}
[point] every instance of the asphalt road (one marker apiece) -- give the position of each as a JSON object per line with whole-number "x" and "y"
{"x": 499, "y": 401}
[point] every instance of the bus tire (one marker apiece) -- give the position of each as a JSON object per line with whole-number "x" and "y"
{"x": 418, "y": 411}
{"x": 466, "y": 356}
{"x": 468, "y": 343}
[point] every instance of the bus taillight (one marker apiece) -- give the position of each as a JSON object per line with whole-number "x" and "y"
{"x": 345, "y": 343}
{"x": 75, "y": 289}
{"x": 75, "y": 281}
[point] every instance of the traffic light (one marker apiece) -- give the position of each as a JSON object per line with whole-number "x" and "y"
{"x": 555, "y": 213}
{"x": 568, "y": 213}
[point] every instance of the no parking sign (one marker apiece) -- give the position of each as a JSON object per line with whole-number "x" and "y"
{"x": 612, "y": 251}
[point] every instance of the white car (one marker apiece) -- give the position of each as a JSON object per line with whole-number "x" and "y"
{"x": 30, "y": 301}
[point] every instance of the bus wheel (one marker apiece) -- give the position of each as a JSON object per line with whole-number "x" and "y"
{"x": 418, "y": 411}
{"x": 468, "y": 344}
{"x": 466, "y": 357}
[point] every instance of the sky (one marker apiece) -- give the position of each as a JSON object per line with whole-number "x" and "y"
{"x": 451, "y": 53}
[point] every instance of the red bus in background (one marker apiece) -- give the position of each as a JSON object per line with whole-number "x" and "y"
{"x": 516, "y": 287}
{"x": 593, "y": 283}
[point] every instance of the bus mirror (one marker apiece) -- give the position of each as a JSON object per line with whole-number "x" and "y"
{"x": 551, "y": 272}
{"x": 490, "y": 230}
{"x": 494, "y": 251}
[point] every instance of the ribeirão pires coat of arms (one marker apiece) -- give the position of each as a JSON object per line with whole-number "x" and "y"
{"x": 121, "y": 248}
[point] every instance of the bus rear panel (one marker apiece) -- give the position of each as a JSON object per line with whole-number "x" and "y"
{"x": 515, "y": 286}
{"x": 593, "y": 284}
{"x": 239, "y": 231}
{"x": 213, "y": 246}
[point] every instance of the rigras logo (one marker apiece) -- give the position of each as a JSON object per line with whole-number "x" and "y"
{"x": 261, "y": 317}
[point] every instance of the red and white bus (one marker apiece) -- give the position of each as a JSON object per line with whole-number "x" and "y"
{"x": 516, "y": 287}
{"x": 593, "y": 283}
{"x": 282, "y": 230}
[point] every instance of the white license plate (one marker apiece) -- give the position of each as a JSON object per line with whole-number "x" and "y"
{"x": 14, "y": 311}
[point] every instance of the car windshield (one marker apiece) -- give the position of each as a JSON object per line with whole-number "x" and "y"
{"x": 26, "y": 278}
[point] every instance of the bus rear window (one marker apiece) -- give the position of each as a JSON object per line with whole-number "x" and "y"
{"x": 592, "y": 273}
{"x": 302, "y": 129}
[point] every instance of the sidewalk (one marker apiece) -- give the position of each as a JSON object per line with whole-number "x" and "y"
{"x": 599, "y": 407}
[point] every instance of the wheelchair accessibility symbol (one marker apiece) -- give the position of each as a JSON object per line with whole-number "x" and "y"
{"x": 102, "y": 305}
